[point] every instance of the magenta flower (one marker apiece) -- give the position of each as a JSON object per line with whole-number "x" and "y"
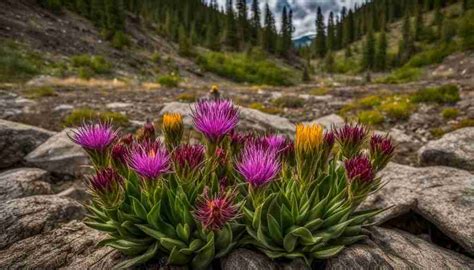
{"x": 215, "y": 118}
{"x": 149, "y": 161}
{"x": 94, "y": 137}
{"x": 215, "y": 212}
{"x": 381, "y": 144}
{"x": 351, "y": 137}
{"x": 120, "y": 153}
{"x": 359, "y": 169}
{"x": 258, "y": 165}
{"x": 189, "y": 155}
{"x": 329, "y": 139}
{"x": 276, "y": 142}
{"x": 105, "y": 180}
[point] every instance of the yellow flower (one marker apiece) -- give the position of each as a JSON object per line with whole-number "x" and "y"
{"x": 172, "y": 121}
{"x": 172, "y": 129}
{"x": 308, "y": 137}
{"x": 214, "y": 88}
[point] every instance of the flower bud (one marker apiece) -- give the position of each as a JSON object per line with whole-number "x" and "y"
{"x": 173, "y": 129}
{"x": 359, "y": 169}
{"x": 215, "y": 212}
{"x": 381, "y": 150}
{"x": 350, "y": 139}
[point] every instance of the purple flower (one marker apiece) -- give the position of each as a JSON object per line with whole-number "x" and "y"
{"x": 215, "y": 212}
{"x": 189, "y": 155}
{"x": 120, "y": 153}
{"x": 329, "y": 139}
{"x": 360, "y": 169}
{"x": 381, "y": 144}
{"x": 97, "y": 137}
{"x": 351, "y": 138}
{"x": 215, "y": 118}
{"x": 276, "y": 142}
{"x": 258, "y": 165}
{"x": 149, "y": 161}
{"x": 105, "y": 180}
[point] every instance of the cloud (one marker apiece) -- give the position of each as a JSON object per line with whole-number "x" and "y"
{"x": 304, "y": 11}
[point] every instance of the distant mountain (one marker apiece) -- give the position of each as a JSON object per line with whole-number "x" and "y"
{"x": 303, "y": 40}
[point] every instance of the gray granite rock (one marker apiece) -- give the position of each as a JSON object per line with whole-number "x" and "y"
{"x": 24, "y": 182}
{"x": 329, "y": 121}
{"x": 443, "y": 196}
{"x": 59, "y": 155}
{"x": 17, "y": 140}
{"x": 455, "y": 149}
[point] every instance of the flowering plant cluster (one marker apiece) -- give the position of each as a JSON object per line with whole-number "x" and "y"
{"x": 195, "y": 202}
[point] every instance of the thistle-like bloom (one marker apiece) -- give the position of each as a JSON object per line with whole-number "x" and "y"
{"x": 359, "y": 169}
{"x": 215, "y": 212}
{"x": 329, "y": 139}
{"x": 173, "y": 129}
{"x": 276, "y": 142}
{"x": 149, "y": 161}
{"x": 381, "y": 150}
{"x": 351, "y": 137}
{"x": 120, "y": 153}
{"x": 191, "y": 156}
{"x": 308, "y": 138}
{"x": 258, "y": 165}
{"x": 95, "y": 137}
{"x": 215, "y": 118}
{"x": 105, "y": 180}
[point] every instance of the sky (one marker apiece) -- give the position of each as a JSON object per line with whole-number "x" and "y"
{"x": 304, "y": 11}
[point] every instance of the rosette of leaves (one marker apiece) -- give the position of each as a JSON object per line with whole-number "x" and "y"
{"x": 311, "y": 213}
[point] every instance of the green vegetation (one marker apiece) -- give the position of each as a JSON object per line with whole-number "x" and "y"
{"x": 81, "y": 115}
{"x": 292, "y": 102}
{"x": 120, "y": 40}
{"x": 450, "y": 113}
{"x": 370, "y": 117}
{"x": 431, "y": 56}
{"x": 370, "y": 101}
{"x": 242, "y": 67}
{"x": 321, "y": 91}
{"x": 39, "y": 92}
{"x": 187, "y": 97}
{"x": 16, "y": 64}
{"x": 444, "y": 94}
{"x": 88, "y": 65}
{"x": 402, "y": 75}
{"x": 171, "y": 80}
{"x": 397, "y": 108}
{"x": 266, "y": 109}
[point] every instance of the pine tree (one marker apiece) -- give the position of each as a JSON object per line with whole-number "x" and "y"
{"x": 269, "y": 31}
{"x": 242, "y": 19}
{"x": 184, "y": 42}
{"x": 283, "y": 41}
{"x": 329, "y": 62}
{"x": 466, "y": 31}
{"x": 82, "y": 6}
{"x": 381, "y": 53}
{"x": 348, "y": 36}
{"x": 406, "y": 47}
{"x": 419, "y": 22}
{"x": 255, "y": 21}
{"x": 320, "y": 40}
{"x": 331, "y": 38}
{"x": 368, "y": 61}
{"x": 438, "y": 18}
{"x": 97, "y": 12}
{"x": 231, "y": 38}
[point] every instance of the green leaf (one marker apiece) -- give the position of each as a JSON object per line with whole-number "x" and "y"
{"x": 195, "y": 245}
{"x": 274, "y": 229}
{"x": 178, "y": 258}
{"x": 105, "y": 227}
{"x": 223, "y": 237}
{"x": 169, "y": 243}
{"x": 317, "y": 210}
{"x": 305, "y": 235}
{"x": 151, "y": 232}
{"x": 138, "y": 208}
{"x": 154, "y": 215}
{"x": 149, "y": 254}
{"x": 349, "y": 240}
{"x": 314, "y": 224}
{"x": 327, "y": 252}
{"x": 183, "y": 232}
{"x": 361, "y": 217}
{"x": 289, "y": 242}
{"x": 205, "y": 255}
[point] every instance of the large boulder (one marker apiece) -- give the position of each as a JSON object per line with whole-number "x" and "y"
{"x": 249, "y": 118}
{"x": 395, "y": 249}
{"x": 329, "y": 121}
{"x": 17, "y": 140}
{"x": 440, "y": 195}
{"x": 59, "y": 155}
{"x": 25, "y": 217}
{"x": 455, "y": 149}
{"x": 24, "y": 182}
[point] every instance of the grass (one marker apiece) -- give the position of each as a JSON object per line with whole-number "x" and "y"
{"x": 266, "y": 109}
{"x": 16, "y": 64}
{"x": 450, "y": 113}
{"x": 431, "y": 56}
{"x": 321, "y": 91}
{"x": 81, "y": 115}
{"x": 371, "y": 117}
{"x": 242, "y": 67}
{"x": 171, "y": 80}
{"x": 291, "y": 102}
{"x": 402, "y": 75}
{"x": 397, "y": 109}
{"x": 370, "y": 101}
{"x": 89, "y": 65}
{"x": 445, "y": 94}
{"x": 39, "y": 92}
{"x": 187, "y": 97}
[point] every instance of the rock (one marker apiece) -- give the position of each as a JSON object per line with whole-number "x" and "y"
{"x": 25, "y": 217}
{"x": 250, "y": 118}
{"x": 118, "y": 105}
{"x": 394, "y": 249}
{"x": 244, "y": 259}
{"x": 76, "y": 192}
{"x": 55, "y": 249}
{"x": 329, "y": 121}
{"x": 17, "y": 140}
{"x": 24, "y": 182}
{"x": 441, "y": 195}
{"x": 59, "y": 155}
{"x": 407, "y": 145}
{"x": 455, "y": 149}
{"x": 63, "y": 107}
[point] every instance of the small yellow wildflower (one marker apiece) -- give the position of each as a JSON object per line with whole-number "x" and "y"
{"x": 214, "y": 88}
{"x": 308, "y": 137}
{"x": 172, "y": 121}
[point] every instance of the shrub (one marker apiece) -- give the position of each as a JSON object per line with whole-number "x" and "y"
{"x": 187, "y": 97}
{"x": 155, "y": 199}
{"x": 467, "y": 122}
{"x": 370, "y": 101}
{"x": 437, "y": 132}
{"x": 292, "y": 102}
{"x": 397, "y": 109}
{"x": 450, "y": 113}
{"x": 432, "y": 56}
{"x": 120, "y": 40}
{"x": 259, "y": 106}
{"x": 171, "y": 80}
{"x": 402, "y": 75}
{"x": 466, "y": 31}
{"x": 38, "y": 92}
{"x": 156, "y": 57}
{"x": 243, "y": 68}
{"x": 15, "y": 65}
{"x": 444, "y": 94}
{"x": 90, "y": 65}
{"x": 81, "y": 115}
{"x": 372, "y": 117}
{"x": 321, "y": 91}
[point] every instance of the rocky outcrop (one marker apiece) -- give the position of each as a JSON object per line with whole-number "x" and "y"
{"x": 455, "y": 149}
{"x": 329, "y": 121}
{"x": 17, "y": 140}
{"x": 441, "y": 195}
{"x": 24, "y": 182}
{"x": 26, "y": 217}
{"x": 59, "y": 155}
